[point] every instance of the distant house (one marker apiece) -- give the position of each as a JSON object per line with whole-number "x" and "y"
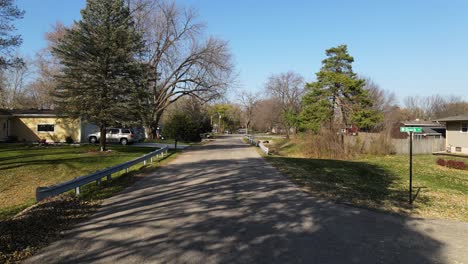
{"x": 430, "y": 129}
{"x": 36, "y": 125}
{"x": 457, "y": 133}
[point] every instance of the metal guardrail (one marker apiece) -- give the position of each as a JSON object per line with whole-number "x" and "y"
{"x": 257, "y": 143}
{"x": 45, "y": 192}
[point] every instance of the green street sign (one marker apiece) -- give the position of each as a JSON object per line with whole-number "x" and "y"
{"x": 411, "y": 129}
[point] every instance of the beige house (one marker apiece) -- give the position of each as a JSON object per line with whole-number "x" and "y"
{"x": 457, "y": 133}
{"x": 37, "y": 125}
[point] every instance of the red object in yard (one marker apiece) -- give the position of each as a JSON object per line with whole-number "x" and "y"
{"x": 454, "y": 164}
{"x": 352, "y": 130}
{"x": 441, "y": 162}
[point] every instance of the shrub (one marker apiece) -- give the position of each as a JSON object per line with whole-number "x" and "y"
{"x": 453, "y": 164}
{"x": 12, "y": 139}
{"x": 326, "y": 144}
{"x": 456, "y": 164}
{"x": 182, "y": 127}
{"x": 69, "y": 140}
{"x": 441, "y": 162}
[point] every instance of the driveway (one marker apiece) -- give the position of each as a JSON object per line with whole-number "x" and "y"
{"x": 222, "y": 203}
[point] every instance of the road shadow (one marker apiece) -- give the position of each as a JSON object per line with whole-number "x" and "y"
{"x": 237, "y": 211}
{"x": 343, "y": 181}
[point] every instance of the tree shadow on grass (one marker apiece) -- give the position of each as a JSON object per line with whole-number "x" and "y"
{"x": 237, "y": 211}
{"x": 351, "y": 182}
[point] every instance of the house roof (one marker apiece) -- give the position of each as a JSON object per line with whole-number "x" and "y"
{"x": 454, "y": 118}
{"x": 4, "y": 112}
{"x": 422, "y": 123}
{"x": 429, "y": 131}
{"x": 29, "y": 112}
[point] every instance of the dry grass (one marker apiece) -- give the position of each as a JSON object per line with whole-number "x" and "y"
{"x": 381, "y": 182}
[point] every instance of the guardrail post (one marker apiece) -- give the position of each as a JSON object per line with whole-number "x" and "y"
{"x": 126, "y": 170}
{"x": 109, "y": 177}
{"x": 98, "y": 182}
{"x": 144, "y": 163}
{"x": 77, "y": 190}
{"x": 151, "y": 159}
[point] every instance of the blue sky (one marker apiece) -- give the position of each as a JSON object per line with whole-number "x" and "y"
{"x": 417, "y": 47}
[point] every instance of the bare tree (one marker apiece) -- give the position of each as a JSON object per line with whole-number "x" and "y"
{"x": 385, "y": 102}
{"x": 287, "y": 90}
{"x": 13, "y": 92}
{"x": 47, "y": 68}
{"x": 180, "y": 60}
{"x": 433, "y": 107}
{"x": 248, "y": 101}
{"x": 267, "y": 115}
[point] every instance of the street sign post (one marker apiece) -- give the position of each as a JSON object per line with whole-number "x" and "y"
{"x": 410, "y": 131}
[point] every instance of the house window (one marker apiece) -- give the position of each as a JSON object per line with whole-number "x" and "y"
{"x": 45, "y": 128}
{"x": 464, "y": 127}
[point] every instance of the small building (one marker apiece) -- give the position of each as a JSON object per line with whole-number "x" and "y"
{"x": 37, "y": 125}
{"x": 430, "y": 129}
{"x": 457, "y": 133}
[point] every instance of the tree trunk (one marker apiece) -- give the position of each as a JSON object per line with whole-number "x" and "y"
{"x": 148, "y": 131}
{"x": 103, "y": 140}
{"x": 156, "y": 122}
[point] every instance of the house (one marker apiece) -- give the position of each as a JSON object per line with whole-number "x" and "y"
{"x": 457, "y": 133}
{"x": 35, "y": 125}
{"x": 430, "y": 129}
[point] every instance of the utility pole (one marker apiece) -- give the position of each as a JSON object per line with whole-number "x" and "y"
{"x": 219, "y": 122}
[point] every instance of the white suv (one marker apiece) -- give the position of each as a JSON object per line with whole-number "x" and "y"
{"x": 123, "y": 136}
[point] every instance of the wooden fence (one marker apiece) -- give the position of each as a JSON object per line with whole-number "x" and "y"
{"x": 366, "y": 141}
{"x": 420, "y": 146}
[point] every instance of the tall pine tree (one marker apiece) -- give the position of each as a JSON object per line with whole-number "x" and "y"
{"x": 100, "y": 71}
{"x": 8, "y": 13}
{"x": 337, "y": 96}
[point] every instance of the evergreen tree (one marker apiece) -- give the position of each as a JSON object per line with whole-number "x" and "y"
{"x": 100, "y": 71}
{"x": 181, "y": 127}
{"x": 8, "y": 13}
{"x": 337, "y": 97}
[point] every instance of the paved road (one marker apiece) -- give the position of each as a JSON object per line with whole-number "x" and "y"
{"x": 159, "y": 145}
{"x": 221, "y": 203}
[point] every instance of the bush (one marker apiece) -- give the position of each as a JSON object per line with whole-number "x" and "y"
{"x": 182, "y": 127}
{"x": 453, "y": 164}
{"x": 441, "y": 162}
{"x": 326, "y": 144}
{"x": 460, "y": 165}
{"x": 12, "y": 139}
{"x": 69, "y": 140}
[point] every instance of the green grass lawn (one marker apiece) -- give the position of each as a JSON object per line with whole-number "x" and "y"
{"x": 23, "y": 168}
{"x": 381, "y": 182}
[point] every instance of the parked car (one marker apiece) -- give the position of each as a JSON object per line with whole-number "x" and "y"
{"x": 123, "y": 136}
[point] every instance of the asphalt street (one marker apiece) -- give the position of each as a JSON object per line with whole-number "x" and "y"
{"x": 223, "y": 203}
